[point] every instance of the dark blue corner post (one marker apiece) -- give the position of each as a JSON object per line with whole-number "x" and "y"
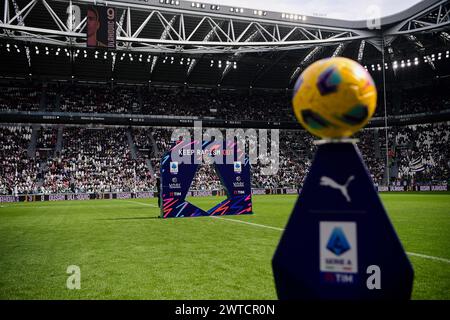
{"x": 339, "y": 242}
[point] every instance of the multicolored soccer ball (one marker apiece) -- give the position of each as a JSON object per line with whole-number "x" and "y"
{"x": 334, "y": 98}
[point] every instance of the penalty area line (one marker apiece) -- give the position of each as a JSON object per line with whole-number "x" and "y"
{"x": 413, "y": 254}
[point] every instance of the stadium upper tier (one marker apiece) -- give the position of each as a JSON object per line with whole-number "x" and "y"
{"x": 206, "y": 104}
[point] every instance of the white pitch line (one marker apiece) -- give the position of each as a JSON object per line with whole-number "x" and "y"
{"x": 142, "y": 204}
{"x": 281, "y": 229}
{"x": 250, "y": 223}
{"x": 428, "y": 257}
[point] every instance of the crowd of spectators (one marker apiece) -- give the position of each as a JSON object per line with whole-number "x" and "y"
{"x": 19, "y": 98}
{"x": 233, "y": 105}
{"x": 227, "y": 105}
{"x": 423, "y": 101}
{"x": 99, "y": 100}
{"x": 375, "y": 162}
{"x": 142, "y": 139}
{"x": 46, "y": 138}
{"x": 101, "y": 160}
{"x": 18, "y": 172}
{"x": 96, "y": 160}
{"x": 296, "y": 150}
{"x": 422, "y": 153}
{"x": 51, "y": 98}
{"x": 289, "y": 169}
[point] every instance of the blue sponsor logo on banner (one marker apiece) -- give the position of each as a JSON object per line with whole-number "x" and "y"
{"x": 173, "y": 167}
{"x": 237, "y": 167}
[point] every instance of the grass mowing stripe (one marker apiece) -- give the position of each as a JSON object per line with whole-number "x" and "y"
{"x": 281, "y": 229}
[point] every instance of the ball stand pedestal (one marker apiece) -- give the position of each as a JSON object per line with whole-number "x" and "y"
{"x": 339, "y": 242}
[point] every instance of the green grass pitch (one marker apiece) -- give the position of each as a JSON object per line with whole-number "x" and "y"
{"x": 126, "y": 252}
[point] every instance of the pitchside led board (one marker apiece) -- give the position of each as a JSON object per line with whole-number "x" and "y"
{"x": 101, "y": 27}
{"x": 177, "y": 177}
{"x": 339, "y": 242}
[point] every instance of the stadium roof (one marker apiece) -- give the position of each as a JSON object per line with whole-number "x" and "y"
{"x": 343, "y": 9}
{"x": 174, "y": 41}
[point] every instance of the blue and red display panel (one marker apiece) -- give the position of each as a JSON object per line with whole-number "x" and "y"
{"x": 177, "y": 177}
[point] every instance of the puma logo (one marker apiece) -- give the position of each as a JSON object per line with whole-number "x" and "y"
{"x": 328, "y": 182}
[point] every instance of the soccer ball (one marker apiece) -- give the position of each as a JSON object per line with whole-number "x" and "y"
{"x": 334, "y": 98}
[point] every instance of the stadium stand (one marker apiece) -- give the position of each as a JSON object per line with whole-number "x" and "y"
{"x": 98, "y": 160}
{"x": 19, "y": 98}
{"x": 98, "y": 99}
{"x": 76, "y": 159}
{"x": 422, "y": 153}
{"x": 18, "y": 171}
{"x": 61, "y": 158}
{"x": 120, "y": 99}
